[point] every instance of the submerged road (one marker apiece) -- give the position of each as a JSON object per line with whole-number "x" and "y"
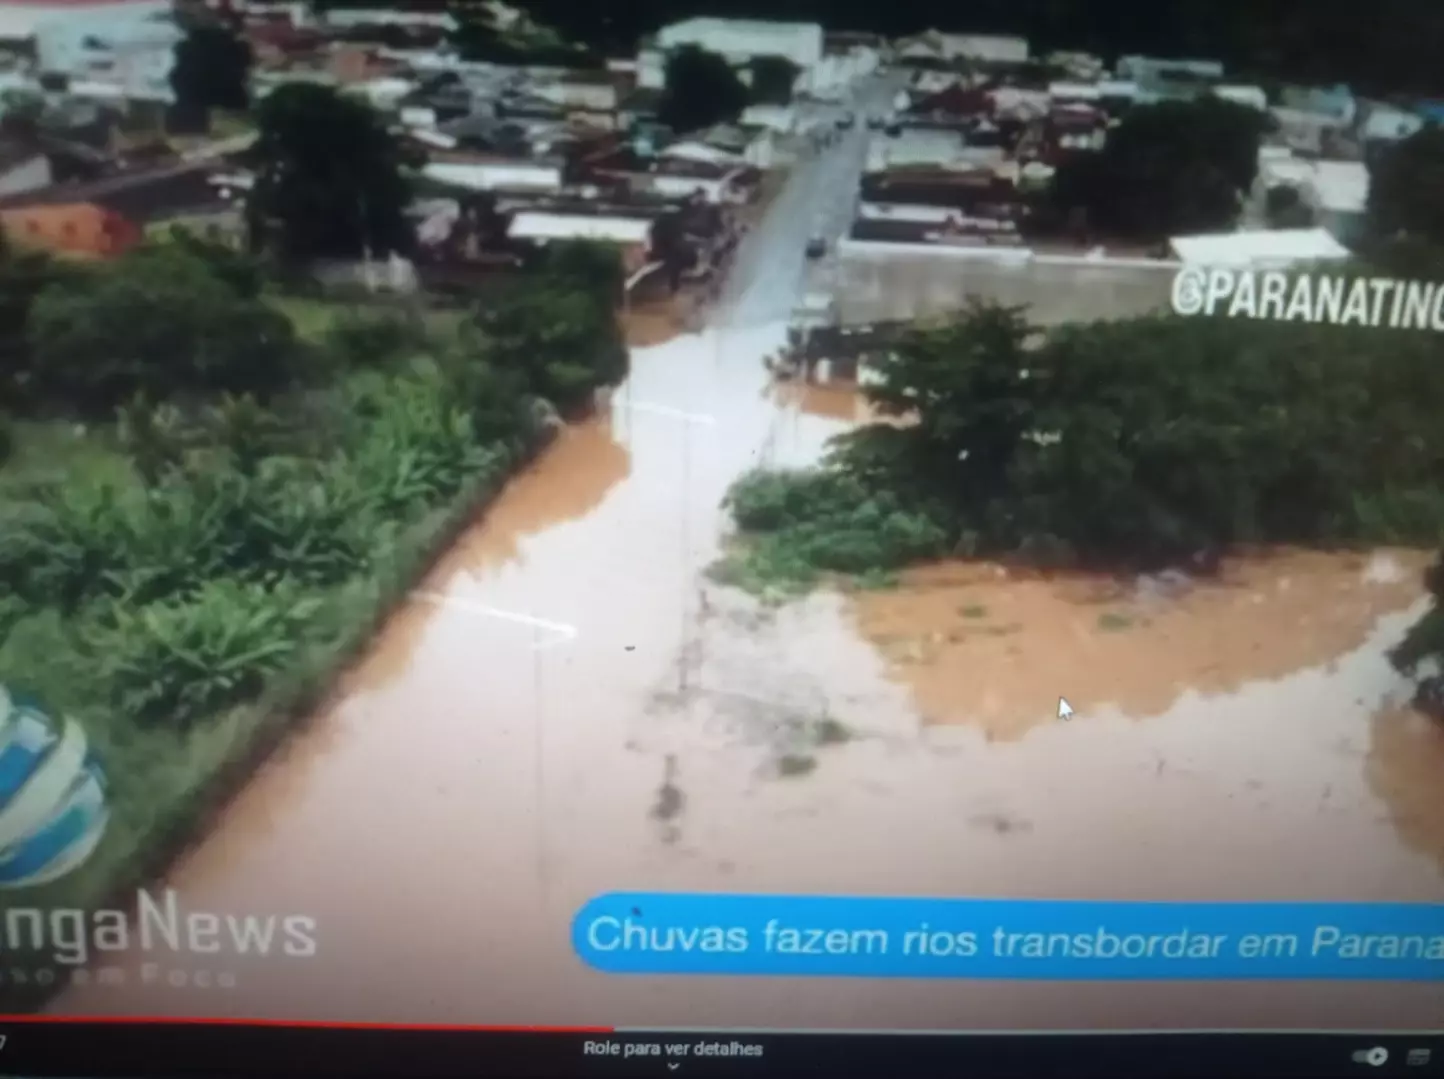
{"x": 570, "y": 707}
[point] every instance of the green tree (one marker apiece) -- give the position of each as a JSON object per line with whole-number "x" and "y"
{"x": 557, "y": 328}
{"x": 1284, "y": 208}
{"x": 1424, "y": 644}
{"x": 160, "y": 324}
{"x": 1147, "y": 440}
{"x": 772, "y": 80}
{"x": 1171, "y": 168}
{"x": 241, "y": 271}
{"x": 701, "y": 90}
{"x": 331, "y": 179}
{"x": 212, "y": 69}
{"x": 20, "y": 113}
{"x": 24, "y": 275}
{"x": 966, "y": 383}
{"x": 1406, "y": 189}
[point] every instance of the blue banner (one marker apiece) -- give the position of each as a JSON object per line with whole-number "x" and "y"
{"x": 868, "y": 937}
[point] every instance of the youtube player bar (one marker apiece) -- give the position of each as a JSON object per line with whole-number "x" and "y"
{"x": 41, "y": 1047}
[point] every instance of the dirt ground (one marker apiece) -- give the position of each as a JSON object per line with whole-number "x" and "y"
{"x": 973, "y": 640}
{"x": 656, "y": 321}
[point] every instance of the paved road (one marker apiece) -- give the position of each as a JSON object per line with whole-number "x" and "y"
{"x": 912, "y": 285}
{"x": 818, "y": 200}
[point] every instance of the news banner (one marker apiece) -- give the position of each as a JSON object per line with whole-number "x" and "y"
{"x": 678, "y": 938}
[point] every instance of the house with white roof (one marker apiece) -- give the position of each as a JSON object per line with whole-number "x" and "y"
{"x": 125, "y": 47}
{"x": 633, "y": 235}
{"x": 1266, "y": 249}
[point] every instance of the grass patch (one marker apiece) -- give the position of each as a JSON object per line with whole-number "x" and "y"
{"x": 316, "y": 319}
{"x": 798, "y": 527}
{"x": 48, "y": 452}
{"x": 1113, "y": 621}
{"x": 188, "y": 580}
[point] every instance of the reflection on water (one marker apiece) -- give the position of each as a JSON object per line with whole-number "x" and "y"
{"x": 487, "y": 773}
{"x": 984, "y": 644}
{"x": 1406, "y": 767}
{"x": 570, "y": 478}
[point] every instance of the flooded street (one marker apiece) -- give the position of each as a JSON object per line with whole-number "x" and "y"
{"x": 570, "y": 707}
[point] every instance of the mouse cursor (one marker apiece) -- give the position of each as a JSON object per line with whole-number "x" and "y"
{"x": 1064, "y": 709}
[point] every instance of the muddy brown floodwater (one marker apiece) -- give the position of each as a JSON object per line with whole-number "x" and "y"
{"x": 572, "y": 709}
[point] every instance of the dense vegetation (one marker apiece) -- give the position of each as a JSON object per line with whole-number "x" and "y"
{"x": 332, "y": 181}
{"x": 1424, "y": 646}
{"x": 205, "y": 504}
{"x": 1170, "y": 169}
{"x": 701, "y": 90}
{"x": 1133, "y": 443}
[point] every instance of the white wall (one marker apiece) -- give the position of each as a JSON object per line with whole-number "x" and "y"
{"x": 697, "y": 151}
{"x": 378, "y": 17}
{"x": 485, "y": 176}
{"x": 651, "y": 69}
{"x": 1386, "y": 122}
{"x": 545, "y": 226}
{"x": 741, "y": 39}
{"x": 681, "y": 187}
{"x": 1252, "y": 96}
{"x": 932, "y": 215}
{"x": 125, "y": 45}
{"x": 780, "y": 118}
{"x": 598, "y": 97}
{"x": 27, "y": 176}
{"x": 997, "y": 48}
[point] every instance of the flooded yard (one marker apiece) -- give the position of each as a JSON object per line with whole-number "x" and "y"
{"x": 973, "y": 640}
{"x": 569, "y": 707}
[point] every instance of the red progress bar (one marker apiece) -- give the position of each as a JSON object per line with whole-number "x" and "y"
{"x": 354, "y": 1025}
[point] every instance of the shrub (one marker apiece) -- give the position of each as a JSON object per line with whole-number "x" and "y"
{"x": 372, "y": 337}
{"x": 419, "y": 446}
{"x": 159, "y": 324}
{"x": 57, "y": 550}
{"x": 808, "y": 521}
{"x": 173, "y": 663}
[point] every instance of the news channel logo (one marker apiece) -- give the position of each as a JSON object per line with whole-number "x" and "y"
{"x": 53, "y": 811}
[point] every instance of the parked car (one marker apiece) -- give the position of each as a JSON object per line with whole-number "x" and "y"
{"x": 846, "y": 121}
{"x": 816, "y": 248}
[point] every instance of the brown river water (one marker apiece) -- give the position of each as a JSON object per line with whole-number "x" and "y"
{"x": 480, "y": 776}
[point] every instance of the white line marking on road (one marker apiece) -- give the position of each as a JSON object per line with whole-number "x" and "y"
{"x": 562, "y": 630}
{"x": 667, "y": 410}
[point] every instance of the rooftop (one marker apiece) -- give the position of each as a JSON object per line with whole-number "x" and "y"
{"x": 538, "y": 225}
{"x": 1268, "y": 246}
{"x": 142, "y": 194}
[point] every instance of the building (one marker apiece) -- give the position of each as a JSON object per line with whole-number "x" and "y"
{"x": 1337, "y": 102}
{"x": 484, "y": 172}
{"x": 108, "y": 216}
{"x": 946, "y": 47}
{"x": 633, "y": 235}
{"x": 1267, "y": 249}
{"x": 23, "y": 168}
{"x": 126, "y": 45}
{"x": 20, "y": 20}
{"x": 1338, "y": 193}
{"x": 1381, "y": 122}
{"x": 1146, "y": 68}
{"x": 581, "y": 91}
{"x": 744, "y": 40}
